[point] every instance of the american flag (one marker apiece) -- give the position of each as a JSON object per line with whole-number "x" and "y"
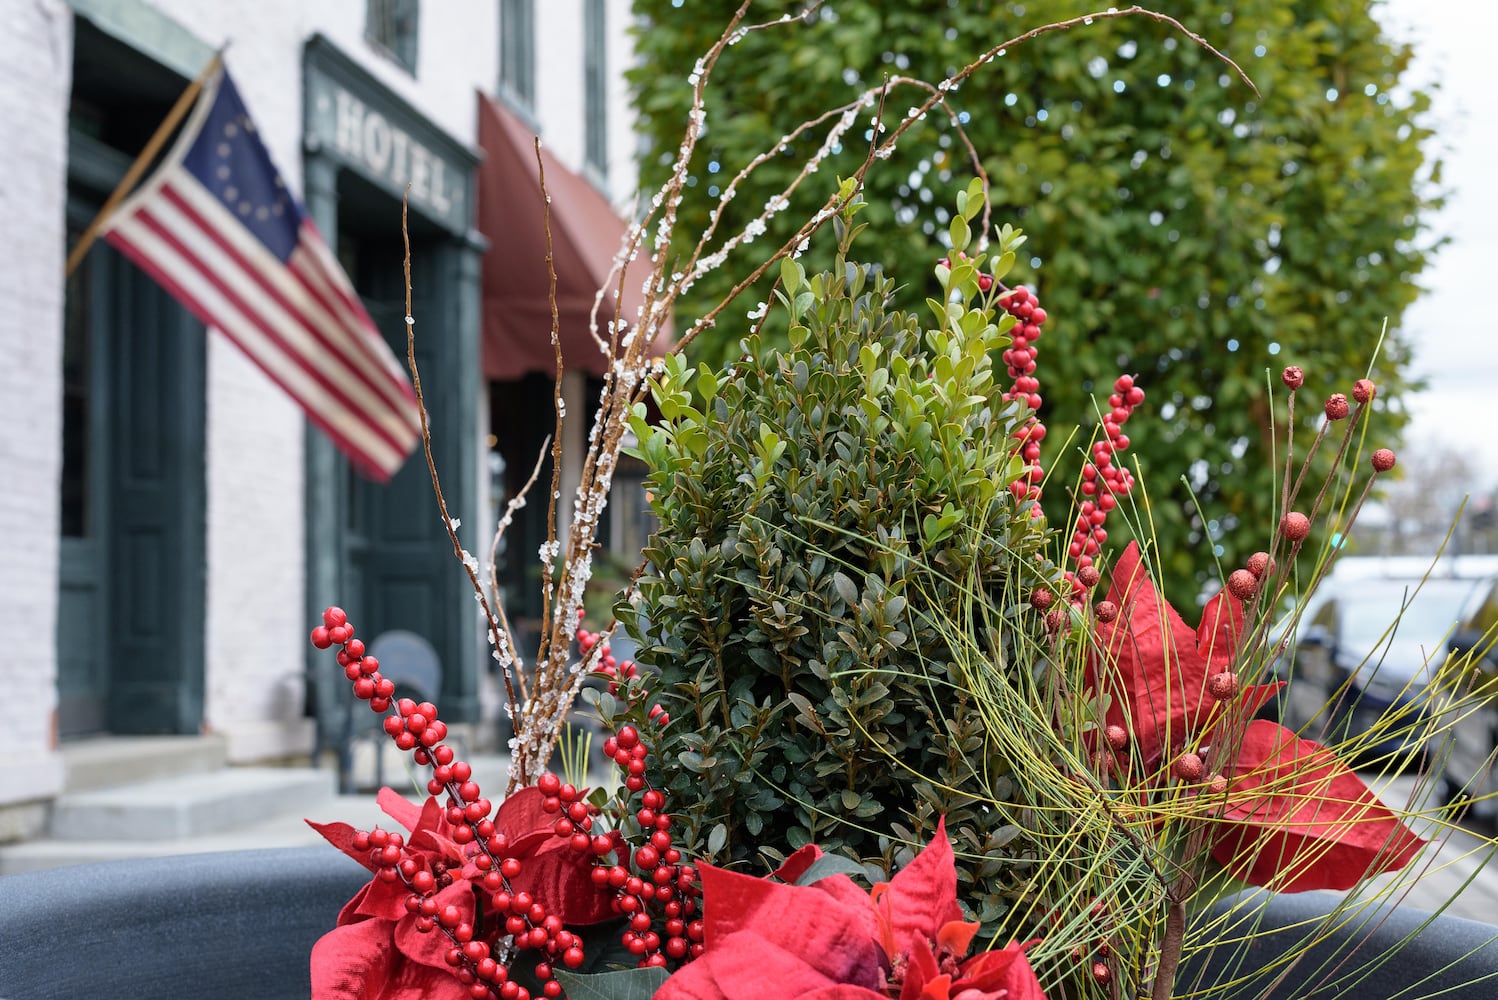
{"x": 217, "y": 227}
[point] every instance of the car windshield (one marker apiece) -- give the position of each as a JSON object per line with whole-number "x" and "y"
{"x": 1428, "y": 613}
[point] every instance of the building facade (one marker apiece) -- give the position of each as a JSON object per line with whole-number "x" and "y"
{"x": 169, "y": 521}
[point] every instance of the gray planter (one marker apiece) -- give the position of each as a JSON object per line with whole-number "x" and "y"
{"x": 235, "y": 926}
{"x": 1389, "y": 953}
{"x": 241, "y": 926}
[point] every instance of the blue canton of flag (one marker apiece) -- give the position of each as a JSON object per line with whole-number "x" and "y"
{"x": 217, "y": 227}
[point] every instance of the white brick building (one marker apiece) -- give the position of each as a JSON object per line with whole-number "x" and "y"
{"x": 168, "y": 522}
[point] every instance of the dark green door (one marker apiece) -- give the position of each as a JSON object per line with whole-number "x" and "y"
{"x": 82, "y": 674}
{"x": 131, "y": 579}
{"x": 402, "y": 571}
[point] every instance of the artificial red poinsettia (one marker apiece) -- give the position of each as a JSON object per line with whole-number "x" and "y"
{"x": 830, "y": 940}
{"x": 1291, "y": 816}
{"x": 551, "y": 870}
{"x": 375, "y": 951}
{"x": 1297, "y": 818}
{"x": 1155, "y": 669}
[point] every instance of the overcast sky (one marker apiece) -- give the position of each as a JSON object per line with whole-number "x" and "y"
{"x": 1453, "y": 325}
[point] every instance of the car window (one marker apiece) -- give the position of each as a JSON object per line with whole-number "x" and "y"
{"x": 1486, "y": 616}
{"x": 1425, "y": 612}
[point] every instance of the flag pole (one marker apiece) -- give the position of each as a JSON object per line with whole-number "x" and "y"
{"x": 147, "y": 155}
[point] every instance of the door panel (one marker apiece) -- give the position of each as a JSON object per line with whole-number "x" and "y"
{"x": 82, "y": 670}
{"x": 157, "y": 358}
{"x": 403, "y": 574}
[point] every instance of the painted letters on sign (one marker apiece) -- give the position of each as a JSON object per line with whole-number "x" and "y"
{"x": 359, "y": 122}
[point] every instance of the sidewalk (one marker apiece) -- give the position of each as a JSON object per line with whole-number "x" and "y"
{"x": 1458, "y": 867}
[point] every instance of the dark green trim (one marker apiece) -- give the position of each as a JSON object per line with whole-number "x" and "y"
{"x": 148, "y": 30}
{"x": 324, "y": 498}
{"x": 438, "y": 167}
{"x": 93, "y": 164}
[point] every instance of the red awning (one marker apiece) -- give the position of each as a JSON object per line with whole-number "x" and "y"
{"x": 586, "y": 233}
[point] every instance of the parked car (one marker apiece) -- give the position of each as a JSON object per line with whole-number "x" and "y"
{"x": 1469, "y": 773}
{"x": 1367, "y": 648}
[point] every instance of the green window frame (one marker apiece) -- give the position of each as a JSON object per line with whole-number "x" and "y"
{"x": 393, "y": 27}
{"x": 517, "y": 52}
{"x": 595, "y": 87}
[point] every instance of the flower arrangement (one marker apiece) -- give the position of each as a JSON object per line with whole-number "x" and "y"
{"x": 865, "y": 657}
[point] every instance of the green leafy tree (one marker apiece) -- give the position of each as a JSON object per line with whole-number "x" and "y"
{"x": 1182, "y": 228}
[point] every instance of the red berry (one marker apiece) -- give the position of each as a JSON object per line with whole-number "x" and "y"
{"x": 1295, "y": 526}
{"x": 1336, "y": 406}
{"x": 333, "y": 617}
{"x": 1106, "y": 611}
{"x": 1223, "y": 686}
{"x": 628, "y": 738}
{"x": 1259, "y": 563}
{"x": 320, "y": 637}
{"x": 1242, "y": 584}
{"x": 1117, "y": 737}
{"x": 1383, "y": 460}
{"x": 1040, "y": 598}
{"x": 1293, "y": 377}
{"x": 1102, "y": 973}
{"x": 1188, "y": 767}
{"x": 1364, "y": 390}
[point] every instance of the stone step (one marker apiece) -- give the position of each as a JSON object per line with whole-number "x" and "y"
{"x": 287, "y": 829}
{"x": 188, "y": 805}
{"x": 108, "y": 761}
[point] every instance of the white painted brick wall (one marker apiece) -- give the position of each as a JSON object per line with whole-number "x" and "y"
{"x": 35, "y": 70}
{"x": 255, "y": 628}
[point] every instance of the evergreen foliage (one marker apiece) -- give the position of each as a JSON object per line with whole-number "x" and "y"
{"x": 1192, "y": 234}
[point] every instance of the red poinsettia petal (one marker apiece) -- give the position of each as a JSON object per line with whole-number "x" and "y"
{"x": 563, "y": 878}
{"x": 922, "y": 896}
{"x": 431, "y": 948}
{"x": 1153, "y": 672}
{"x": 521, "y": 813}
{"x": 399, "y": 808}
{"x": 848, "y": 894}
{"x": 1005, "y": 973}
{"x": 749, "y": 965}
{"x": 341, "y": 836}
{"x": 352, "y": 961}
{"x": 383, "y": 900}
{"x": 360, "y": 962}
{"x": 800, "y": 861}
{"x": 833, "y": 937}
{"x": 1297, "y": 818}
{"x": 956, "y": 936}
{"x": 921, "y": 972}
{"x": 1154, "y": 667}
{"x": 1220, "y": 629}
{"x": 938, "y": 988}
{"x": 350, "y": 912}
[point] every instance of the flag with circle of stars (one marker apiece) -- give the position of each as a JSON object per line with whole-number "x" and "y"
{"x": 217, "y": 226}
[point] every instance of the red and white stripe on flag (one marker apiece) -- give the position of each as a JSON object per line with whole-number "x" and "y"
{"x": 295, "y": 315}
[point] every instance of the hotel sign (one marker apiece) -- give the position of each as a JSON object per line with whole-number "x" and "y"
{"x": 354, "y": 119}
